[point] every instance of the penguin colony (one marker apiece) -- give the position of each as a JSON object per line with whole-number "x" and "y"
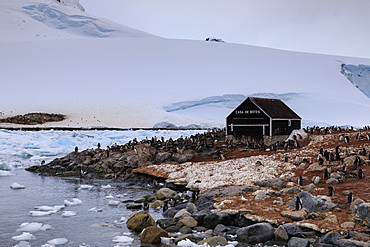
{"x": 334, "y": 160}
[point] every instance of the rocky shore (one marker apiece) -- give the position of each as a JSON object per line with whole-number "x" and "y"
{"x": 283, "y": 200}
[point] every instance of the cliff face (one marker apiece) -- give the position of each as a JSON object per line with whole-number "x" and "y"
{"x": 359, "y": 76}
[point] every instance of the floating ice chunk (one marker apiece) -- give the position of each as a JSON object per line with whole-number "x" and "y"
{"x": 46, "y": 227}
{"x": 94, "y": 209}
{"x": 22, "y": 244}
{"x": 75, "y": 201}
{"x": 30, "y": 227}
{"x": 113, "y": 203}
{"x": 24, "y": 237}
{"x": 5, "y": 173}
{"x": 47, "y": 245}
{"x": 58, "y": 241}
{"x": 123, "y": 219}
{"x": 69, "y": 213}
{"x": 106, "y": 186}
{"x": 85, "y": 186}
{"x": 49, "y": 208}
{"x": 186, "y": 243}
{"x": 123, "y": 240}
{"x": 41, "y": 213}
{"x": 17, "y": 186}
{"x": 110, "y": 196}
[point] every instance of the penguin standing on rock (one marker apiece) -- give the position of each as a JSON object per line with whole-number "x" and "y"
{"x": 349, "y": 197}
{"x": 360, "y": 174}
{"x": 316, "y": 179}
{"x": 300, "y": 181}
{"x": 331, "y": 191}
{"x": 326, "y": 173}
{"x": 298, "y": 203}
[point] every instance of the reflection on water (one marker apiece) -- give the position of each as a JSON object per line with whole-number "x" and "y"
{"x": 90, "y": 227}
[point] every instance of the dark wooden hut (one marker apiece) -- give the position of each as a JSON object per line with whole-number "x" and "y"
{"x": 258, "y": 117}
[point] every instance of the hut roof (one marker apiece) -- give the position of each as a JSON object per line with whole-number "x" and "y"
{"x": 274, "y": 108}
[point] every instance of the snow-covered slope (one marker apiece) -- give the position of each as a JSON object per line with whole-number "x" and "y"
{"x": 50, "y": 19}
{"x": 339, "y": 27}
{"x": 138, "y": 82}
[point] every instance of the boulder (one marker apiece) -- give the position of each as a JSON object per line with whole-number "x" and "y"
{"x": 293, "y": 230}
{"x": 181, "y": 158}
{"x": 152, "y": 235}
{"x": 295, "y": 215}
{"x": 332, "y": 181}
{"x": 134, "y": 205}
{"x": 191, "y": 208}
{"x": 212, "y": 220}
{"x": 313, "y": 203}
{"x": 164, "y": 223}
{"x": 214, "y": 241}
{"x": 354, "y": 205}
{"x": 298, "y": 242}
{"x": 157, "y": 204}
{"x": 281, "y": 234}
{"x": 164, "y": 193}
{"x": 162, "y": 156}
{"x": 363, "y": 214}
{"x": 181, "y": 214}
{"x": 189, "y": 221}
{"x": 257, "y": 233}
{"x": 220, "y": 230}
{"x": 137, "y": 222}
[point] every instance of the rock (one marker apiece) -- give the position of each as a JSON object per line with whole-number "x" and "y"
{"x": 220, "y": 230}
{"x": 185, "y": 230}
{"x": 348, "y": 225}
{"x": 332, "y": 181}
{"x": 298, "y": 242}
{"x": 295, "y": 215}
{"x": 275, "y": 183}
{"x": 353, "y": 243}
{"x": 201, "y": 236}
{"x": 332, "y": 219}
{"x": 276, "y": 243}
{"x": 183, "y": 237}
{"x": 257, "y": 233}
{"x": 173, "y": 228}
{"x": 181, "y": 158}
{"x": 170, "y": 213}
{"x": 291, "y": 190}
{"x": 212, "y": 220}
{"x": 293, "y": 230}
{"x": 354, "y": 205}
{"x": 164, "y": 193}
{"x": 363, "y": 214}
{"x": 162, "y": 156}
{"x": 281, "y": 234}
{"x": 164, "y": 223}
{"x": 139, "y": 221}
{"x": 199, "y": 217}
{"x": 191, "y": 208}
{"x": 189, "y": 221}
{"x": 332, "y": 238}
{"x": 152, "y": 235}
{"x": 313, "y": 203}
{"x": 134, "y": 206}
{"x": 181, "y": 214}
{"x": 140, "y": 200}
{"x": 157, "y": 204}
{"x": 214, "y": 241}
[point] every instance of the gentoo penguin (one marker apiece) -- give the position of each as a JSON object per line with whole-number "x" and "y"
{"x": 259, "y": 163}
{"x": 316, "y": 179}
{"x": 300, "y": 181}
{"x": 326, "y": 173}
{"x": 331, "y": 191}
{"x": 146, "y": 205}
{"x": 98, "y": 145}
{"x": 360, "y": 174}
{"x": 76, "y": 149}
{"x": 298, "y": 203}
{"x": 165, "y": 206}
{"x": 346, "y": 139}
{"x": 349, "y": 197}
{"x": 194, "y": 195}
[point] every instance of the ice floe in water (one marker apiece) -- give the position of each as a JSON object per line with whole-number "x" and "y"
{"x": 113, "y": 203}
{"x": 22, "y": 244}
{"x": 17, "y": 186}
{"x": 86, "y": 186}
{"x": 123, "y": 241}
{"x": 41, "y": 213}
{"x": 58, "y": 241}
{"x": 5, "y": 173}
{"x": 69, "y": 213}
{"x": 25, "y": 236}
{"x": 95, "y": 209}
{"x": 75, "y": 201}
{"x": 49, "y": 208}
{"x": 106, "y": 186}
{"x": 33, "y": 227}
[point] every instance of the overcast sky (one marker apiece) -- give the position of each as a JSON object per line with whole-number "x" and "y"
{"x": 330, "y": 26}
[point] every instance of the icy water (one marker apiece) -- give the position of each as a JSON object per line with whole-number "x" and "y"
{"x": 90, "y": 227}
{"x": 20, "y": 149}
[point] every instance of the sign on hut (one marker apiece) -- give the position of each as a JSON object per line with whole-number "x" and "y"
{"x": 259, "y": 117}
